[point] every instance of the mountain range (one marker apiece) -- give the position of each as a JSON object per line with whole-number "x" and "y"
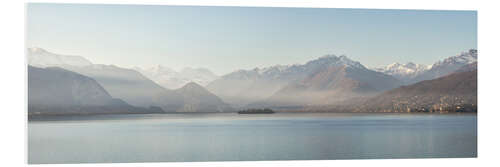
{"x": 327, "y": 82}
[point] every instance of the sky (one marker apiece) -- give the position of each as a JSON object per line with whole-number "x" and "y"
{"x": 225, "y": 39}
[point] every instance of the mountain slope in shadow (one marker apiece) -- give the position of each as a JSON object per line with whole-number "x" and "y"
{"x": 55, "y": 90}
{"x": 456, "y": 92}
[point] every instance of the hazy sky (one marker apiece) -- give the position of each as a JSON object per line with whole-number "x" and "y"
{"x": 224, "y": 39}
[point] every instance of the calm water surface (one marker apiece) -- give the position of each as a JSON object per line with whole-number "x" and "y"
{"x": 233, "y": 137}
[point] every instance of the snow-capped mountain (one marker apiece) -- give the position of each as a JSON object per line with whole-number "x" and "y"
{"x": 412, "y": 73}
{"x": 403, "y": 71}
{"x": 447, "y": 66}
{"x": 243, "y": 87}
{"x": 41, "y": 58}
{"x": 172, "y": 79}
{"x": 332, "y": 60}
{"x": 330, "y": 83}
{"x": 295, "y": 71}
{"x": 463, "y": 58}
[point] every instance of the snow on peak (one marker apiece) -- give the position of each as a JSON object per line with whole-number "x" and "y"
{"x": 272, "y": 69}
{"x": 42, "y": 58}
{"x": 393, "y": 65}
{"x": 463, "y": 58}
{"x": 410, "y": 70}
{"x": 284, "y": 72}
{"x": 398, "y": 69}
{"x": 333, "y": 60}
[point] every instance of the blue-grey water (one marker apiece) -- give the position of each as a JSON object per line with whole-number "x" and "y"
{"x": 233, "y": 137}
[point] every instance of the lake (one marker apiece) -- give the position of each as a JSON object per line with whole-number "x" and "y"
{"x": 233, "y": 137}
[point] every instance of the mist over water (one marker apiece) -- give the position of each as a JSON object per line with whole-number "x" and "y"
{"x": 233, "y": 137}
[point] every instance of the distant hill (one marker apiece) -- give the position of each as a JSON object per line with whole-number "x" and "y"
{"x": 58, "y": 91}
{"x": 198, "y": 99}
{"x": 451, "y": 93}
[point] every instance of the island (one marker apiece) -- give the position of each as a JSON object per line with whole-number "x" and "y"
{"x": 256, "y": 111}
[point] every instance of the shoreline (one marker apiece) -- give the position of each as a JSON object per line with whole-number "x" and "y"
{"x": 76, "y": 117}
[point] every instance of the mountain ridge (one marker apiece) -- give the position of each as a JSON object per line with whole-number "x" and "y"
{"x": 172, "y": 79}
{"x": 51, "y": 59}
